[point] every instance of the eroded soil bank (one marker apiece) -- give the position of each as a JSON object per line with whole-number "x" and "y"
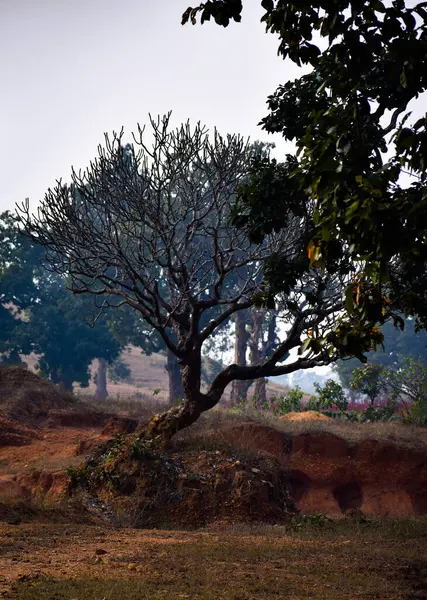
{"x": 332, "y": 476}
{"x": 235, "y": 470}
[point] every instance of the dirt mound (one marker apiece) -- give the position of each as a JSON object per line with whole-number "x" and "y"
{"x": 255, "y": 438}
{"x": 25, "y": 396}
{"x": 139, "y": 486}
{"x": 44, "y": 485}
{"x": 16, "y": 434}
{"x": 308, "y": 415}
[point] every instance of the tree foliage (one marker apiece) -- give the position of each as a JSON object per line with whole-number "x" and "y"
{"x": 350, "y": 120}
{"x": 42, "y": 316}
{"x": 397, "y": 346}
{"x": 409, "y": 385}
{"x": 368, "y": 380}
{"x": 330, "y": 395}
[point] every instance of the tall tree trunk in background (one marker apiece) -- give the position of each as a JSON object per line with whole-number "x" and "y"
{"x": 63, "y": 383}
{"x": 256, "y": 354}
{"x": 239, "y": 389}
{"x": 176, "y": 389}
{"x": 101, "y": 380}
{"x": 66, "y": 385}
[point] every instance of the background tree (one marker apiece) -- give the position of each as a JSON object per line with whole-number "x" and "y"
{"x": 118, "y": 370}
{"x": 408, "y": 384}
{"x": 126, "y": 230}
{"x": 255, "y": 338}
{"x": 17, "y": 289}
{"x": 397, "y": 346}
{"x": 43, "y": 317}
{"x": 330, "y": 395}
{"x": 368, "y": 380}
{"x": 262, "y": 341}
{"x": 240, "y": 387}
{"x": 355, "y": 139}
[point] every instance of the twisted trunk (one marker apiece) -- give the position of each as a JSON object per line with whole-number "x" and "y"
{"x": 180, "y": 416}
{"x": 184, "y": 414}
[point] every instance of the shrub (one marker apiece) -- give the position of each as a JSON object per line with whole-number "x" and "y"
{"x": 379, "y": 413}
{"x": 331, "y": 395}
{"x": 290, "y": 402}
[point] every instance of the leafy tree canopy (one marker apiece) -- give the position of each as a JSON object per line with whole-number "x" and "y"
{"x": 355, "y": 137}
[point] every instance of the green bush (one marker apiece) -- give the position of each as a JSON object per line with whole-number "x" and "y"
{"x": 290, "y": 402}
{"x": 331, "y": 395}
{"x": 379, "y": 413}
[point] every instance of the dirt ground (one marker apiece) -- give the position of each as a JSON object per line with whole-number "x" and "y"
{"x": 54, "y": 557}
{"x": 56, "y": 449}
{"x": 53, "y": 547}
{"x": 330, "y": 561}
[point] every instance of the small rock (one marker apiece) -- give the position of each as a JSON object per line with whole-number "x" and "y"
{"x": 100, "y": 551}
{"x": 131, "y": 567}
{"x": 256, "y": 470}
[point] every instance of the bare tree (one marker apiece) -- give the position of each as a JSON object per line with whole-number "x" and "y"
{"x": 149, "y": 226}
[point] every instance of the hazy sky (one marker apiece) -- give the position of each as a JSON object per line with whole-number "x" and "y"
{"x": 74, "y": 69}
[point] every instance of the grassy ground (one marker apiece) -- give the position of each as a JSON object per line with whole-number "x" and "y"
{"x": 313, "y": 559}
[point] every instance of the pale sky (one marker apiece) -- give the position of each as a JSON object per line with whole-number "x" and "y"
{"x": 74, "y": 69}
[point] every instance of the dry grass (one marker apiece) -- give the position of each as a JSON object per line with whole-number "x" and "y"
{"x": 138, "y": 406}
{"x": 208, "y": 431}
{"x": 398, "y": 433}
{"x": 333, "y": 561}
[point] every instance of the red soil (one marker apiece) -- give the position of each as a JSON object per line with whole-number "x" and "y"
{"x": 327, "y": 474}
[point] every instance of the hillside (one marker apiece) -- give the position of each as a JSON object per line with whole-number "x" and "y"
{"x": 148, "y": 376}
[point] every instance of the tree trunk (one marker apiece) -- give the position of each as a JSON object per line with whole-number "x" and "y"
{"x": 167, "y": 424}
{"x": 176, "y": 388}
{"x": 255, "y": 353}
{"x": 66, "y": 385}
{"x": 53, "y": 376}
{"x": 184, "y": 414}
{"x": 265, "y": 351}
{"x": 239, "y": 389}
{"x": 260, "y": 391}
{"x": 101, "y": 380}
